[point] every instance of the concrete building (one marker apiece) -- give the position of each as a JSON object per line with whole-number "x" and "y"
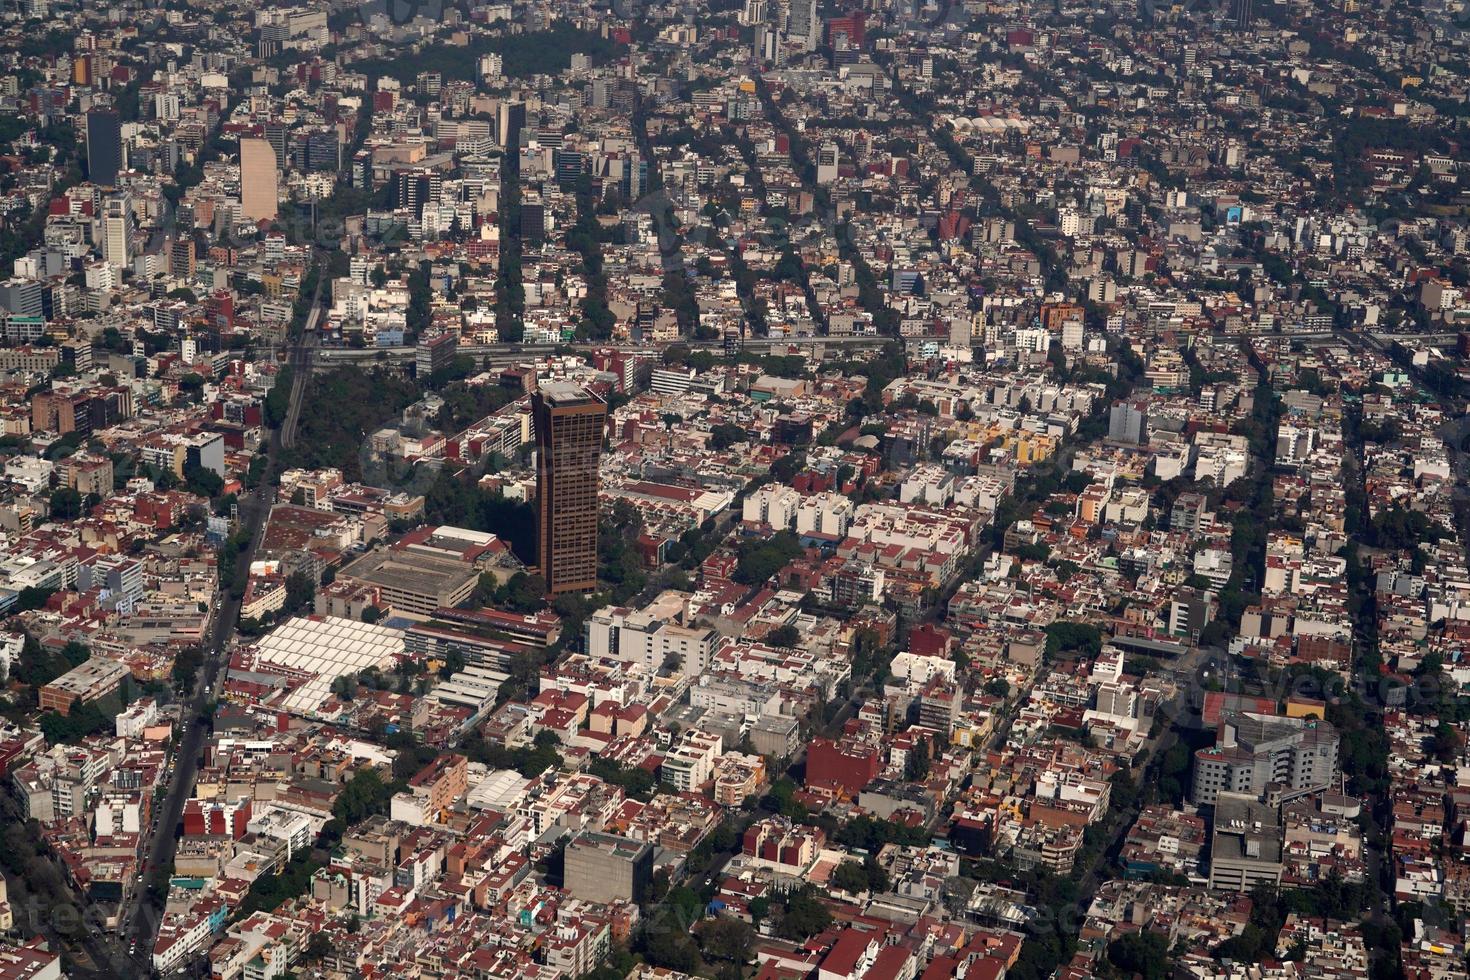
{"x": 413, "y": 583}
{"x": 22, "y": 298}
{"x": 605, "y": 868}
{"x": 117, "y": 229}
{"x": 1245, "y": 844}
{"x": 1128, "y": 422}
{"x": 93, "y": 679}
{"x": 432, "y": 791}
{"x": 31, "y": 961}
{"x": 651, "y": 635}
{"x": 434, "y": 353}
{"x": 36, "y": 360}
{"x": 1266, "y": 754}
{"x": 691, "y": 763}
{"x": 259, "y": 179}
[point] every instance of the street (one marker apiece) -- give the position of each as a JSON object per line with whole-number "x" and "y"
{"x": 142, "y": 927}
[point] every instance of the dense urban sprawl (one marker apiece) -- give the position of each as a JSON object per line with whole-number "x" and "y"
{"x": 777, "y": 489}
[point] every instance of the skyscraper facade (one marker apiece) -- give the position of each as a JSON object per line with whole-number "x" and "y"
{"x": 805, "y": 25}
{"x": 569, "y": 425}
{"x": 117, "y": 230}
{"x": 104, "y": 147}
{"x": 259, "y": 179}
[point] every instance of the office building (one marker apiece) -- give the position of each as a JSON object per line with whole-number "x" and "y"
{"x": 435, "y": 353}
{"x": 93, "y": 679}
{"x": 21, "y": 297}
{"x": 1128, "y": 422}
{"x": 604, "y": 868}
{"x": 59, "y": 412}
{"x": 1267, "y": 755}
{"x": 414, "y": 584}
{"x": 117, "y": 231}
{"x": 569, "y": 423}
{"x": 533, "y": 218}
{"x": 1245, "y": 844}
{"x": 1244, "y": 13}
{"x": 276, "y": 134}
{"x": 651, "y": 636}
{"x": 510, "y": 117}
{"x": 321, "y": 150}
{"x": 104, "y": 147}
{"x": 767, "y": 44}
{"x": 181, "y": 258}
{"x": 416, "y": 189}
{"x": 827, "y": 159}
{"x": 804, "y": 26}
{"x": 259, "y": 179}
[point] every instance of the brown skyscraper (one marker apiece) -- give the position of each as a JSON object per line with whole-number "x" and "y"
{"x": 569, "y": 426}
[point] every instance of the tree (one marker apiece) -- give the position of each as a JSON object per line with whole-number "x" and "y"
{"x": 850, "y": 877}
{"x": 1065, "y": 637}
{"x": 522, "y": 593}
{"x": 1144, "y": 954}
{"x": 318, "y": 947}
{"x": 759, "y": 560}
{"x": 192, "y": 385}
{"x": 300, "y": 592}
{"x": 364, "y": 795}
{"x": 66, "y": 504}
{"x": 726, "y": 434}
{"x": 916, "y": 763}
{"x": 784, "y": 636}
{"x": 667, "y": 945}
{"x": 725, "y": 938}
{"x": 877, "y": 876}
{"x": 84, "y": 719}
{"x": 203, "y": 481}
{"x": 1445, "y": 743}
{"x": 804, "y": 915}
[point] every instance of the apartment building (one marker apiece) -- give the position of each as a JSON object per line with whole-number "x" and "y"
{"x": 1259, "y": 754}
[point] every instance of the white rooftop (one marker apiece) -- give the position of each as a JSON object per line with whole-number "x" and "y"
{"x": 328, "y": 647}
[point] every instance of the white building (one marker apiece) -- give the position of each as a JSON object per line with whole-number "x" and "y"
{"x": 11, "y": 645}
{"x": 917, "y": 669}
{"x": 117, "y": 231}
{"x": 691, "y": 764}
{"x": 179, "y": 938}
{"x": 772, "y": 504}
{"x": 651, "y": 636}
{"x": 826, "y": 513}
{"x": 139, "y": 715}
{"x": 117, "y": 813}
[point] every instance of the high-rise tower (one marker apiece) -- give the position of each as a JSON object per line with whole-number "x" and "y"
{"x": 259, "y": 179}
{"x": 104, "y": 147}
{"x": 569, "y": 425}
